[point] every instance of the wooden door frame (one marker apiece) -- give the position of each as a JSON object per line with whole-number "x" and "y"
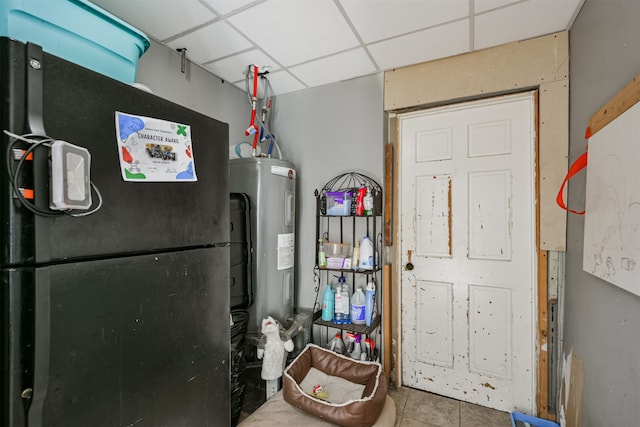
{"x": 542, "y": 63}
{"x": 541, "y": 360}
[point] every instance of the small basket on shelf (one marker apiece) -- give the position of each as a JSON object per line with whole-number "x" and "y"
{"x": 339, "y": 196}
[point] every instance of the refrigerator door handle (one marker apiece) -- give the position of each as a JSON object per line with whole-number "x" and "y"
{"x": 35, "y": 91}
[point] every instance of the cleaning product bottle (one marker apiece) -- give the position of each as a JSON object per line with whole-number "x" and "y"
{"x": 366, "y": 254}
{"x": 336, "y": 344}
{"x": 327, "y": 303}
{"x": 362, "y": 192}
{"x": 369, "y": 303}
{"x": 358, "y": 307}
{"x": 322, "y": 259}
{"x": 341, "y": 305}
{"x": 357, "y": 349}
{"x": 355, "y": 259}
{"x": 351, "y": 342}
{"x": 368, "y": 203}
{"x": 369, "y": 346}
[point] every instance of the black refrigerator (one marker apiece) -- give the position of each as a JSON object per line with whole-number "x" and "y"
{"x": 119, "y": 317}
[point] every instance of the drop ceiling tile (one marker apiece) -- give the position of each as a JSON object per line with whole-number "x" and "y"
{"x": 159, "y": 19}
{"x": 233, "y": 68}
{"x": 439, "y": 42}
{"x": 293, "y": 31}
{"x": 480, "y": 6}
{"x": 211, "y": 42}
{"x": 522, "y": 21}
{"x": 335, "y": 68}
{"x": 380, "y": 19}
{"x": 225, "y": 6}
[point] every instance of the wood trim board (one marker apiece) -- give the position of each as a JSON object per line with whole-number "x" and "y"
{"x": 621, "y": 102}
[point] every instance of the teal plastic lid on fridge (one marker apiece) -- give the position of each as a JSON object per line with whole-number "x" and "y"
{"x": 78, "y": 31}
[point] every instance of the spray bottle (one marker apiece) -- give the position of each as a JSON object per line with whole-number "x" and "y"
{"x": 357, "y": 348}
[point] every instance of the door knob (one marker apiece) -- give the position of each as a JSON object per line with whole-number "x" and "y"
{"x": 409, "y": 264}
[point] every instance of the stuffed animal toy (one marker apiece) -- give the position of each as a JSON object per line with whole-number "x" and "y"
{"x": 274, "y": 350}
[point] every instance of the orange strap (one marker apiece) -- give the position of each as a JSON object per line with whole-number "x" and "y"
{"x": 577, "y": 166}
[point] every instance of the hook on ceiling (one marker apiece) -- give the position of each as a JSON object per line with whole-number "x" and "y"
{"x": 183, "y": 59}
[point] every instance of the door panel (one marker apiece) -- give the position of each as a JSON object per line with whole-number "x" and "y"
{"x": 468, "y": 227}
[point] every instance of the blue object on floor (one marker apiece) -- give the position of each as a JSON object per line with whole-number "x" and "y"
{"x": 518, "y": 420}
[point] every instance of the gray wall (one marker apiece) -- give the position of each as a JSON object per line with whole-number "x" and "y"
{"x": 602, "y": 321}
{"x": 323, "y": 131}
{"x": 159, "y": 69}
{"x": 326, "y": 131}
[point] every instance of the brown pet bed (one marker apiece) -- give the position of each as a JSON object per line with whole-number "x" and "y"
{"x": 353, "y": 392}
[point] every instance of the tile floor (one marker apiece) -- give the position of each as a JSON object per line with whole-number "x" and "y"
{"x": 413, "y": 407}
{"x": 418, "y": 408}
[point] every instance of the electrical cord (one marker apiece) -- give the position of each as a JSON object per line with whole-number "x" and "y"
{"x": 13, "y": 174}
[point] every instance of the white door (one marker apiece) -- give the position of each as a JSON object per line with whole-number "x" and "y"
{"x": 468, "y": 219}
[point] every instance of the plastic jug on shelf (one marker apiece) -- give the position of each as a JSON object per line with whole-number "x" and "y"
{"x": 366, "y": 254}
{"x": 358, "y": 307}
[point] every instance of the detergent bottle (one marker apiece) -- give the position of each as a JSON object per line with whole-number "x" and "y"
{"x": 366, "y": 254}
{"x": 336, "y": 344}
{"x": 358, "y": 307}
{"x": 327, "y": 303}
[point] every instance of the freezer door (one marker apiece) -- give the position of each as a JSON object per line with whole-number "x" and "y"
{"x": 133, "y": 341}
{"x": 78, "y": 105}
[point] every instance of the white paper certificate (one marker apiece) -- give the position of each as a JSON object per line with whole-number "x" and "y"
{"x": 154, "y": 150}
